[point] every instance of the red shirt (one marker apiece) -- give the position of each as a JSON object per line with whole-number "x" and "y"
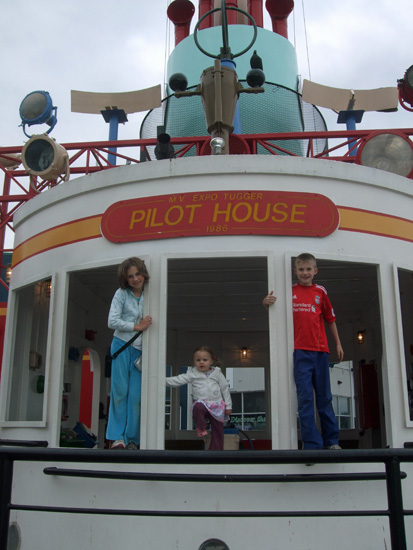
{"x": 311, "y": 307}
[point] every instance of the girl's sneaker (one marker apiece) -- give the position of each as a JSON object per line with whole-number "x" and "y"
{"x": 201, "y": 433}
{"x": 119, "y": 444}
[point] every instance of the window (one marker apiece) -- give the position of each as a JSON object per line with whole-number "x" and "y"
{"x": 29, "y": 355}
{"x": 342, "y": 408}
{"x": 342, "y": 388}
{"x": 406, "y": 298}
{"x": 248, "y": 410}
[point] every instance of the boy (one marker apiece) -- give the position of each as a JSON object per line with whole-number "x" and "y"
{"x": 311, "y": 307}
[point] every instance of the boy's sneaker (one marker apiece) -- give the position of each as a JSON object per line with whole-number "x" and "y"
{"x": 333, "y": 448}
{"x": 119, "y": 444}
{"x": 132, "y": 446}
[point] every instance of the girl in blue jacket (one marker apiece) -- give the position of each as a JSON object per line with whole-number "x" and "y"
{"x": 126, "y": 318}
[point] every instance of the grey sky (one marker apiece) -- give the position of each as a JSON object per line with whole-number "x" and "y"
{"x": 103, "y": 46}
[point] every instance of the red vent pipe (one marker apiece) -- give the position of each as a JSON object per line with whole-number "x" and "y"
{"x": 180, "y": 12}
{"x": 279, "y": 11}
{"x": 204, "y": 7}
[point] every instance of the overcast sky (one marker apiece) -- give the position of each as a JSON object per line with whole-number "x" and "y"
{"x": 106, "y": 46}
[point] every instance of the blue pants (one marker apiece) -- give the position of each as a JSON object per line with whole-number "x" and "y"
{"x": 312, "y": 371}
{"x": 125, "y": 396}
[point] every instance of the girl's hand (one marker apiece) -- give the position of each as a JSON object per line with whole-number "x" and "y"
{"x": 144, "y": 323}
{"x": 228, "y": 412}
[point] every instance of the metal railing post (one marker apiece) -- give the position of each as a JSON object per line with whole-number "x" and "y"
{"x": 395, "y": 503}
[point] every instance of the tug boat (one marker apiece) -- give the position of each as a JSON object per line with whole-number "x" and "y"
{"x": 234, "y": 175}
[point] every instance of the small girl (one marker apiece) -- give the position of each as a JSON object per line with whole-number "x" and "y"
{"x": 210, "y": 391}
{"x": 126, "y": 318}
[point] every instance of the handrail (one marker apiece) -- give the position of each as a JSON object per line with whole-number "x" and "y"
{"x": 391, "y": 458}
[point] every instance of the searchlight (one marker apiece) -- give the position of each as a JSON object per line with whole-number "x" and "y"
{"x": 43, "y": 157}
{"x": 37, "y": 108}
{"x": 389, "y": 151}
{"x": 405, "y": 86}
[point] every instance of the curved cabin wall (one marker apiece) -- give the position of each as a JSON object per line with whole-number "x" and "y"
{"x": 59, "y": 237}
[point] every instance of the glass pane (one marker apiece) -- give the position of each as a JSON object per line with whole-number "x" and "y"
{"x": 168, "y": 401}
{"x": 29, "y": 357}
{"x": 185, "y": 403}
{"x": 249, "y": 421}
{"x": 345, "y": 423}
{"x": 406, "y": 300}
{"x": 236, "y": 402}
{"x": 254, "y": 402}
{"x": 344, "y": 405}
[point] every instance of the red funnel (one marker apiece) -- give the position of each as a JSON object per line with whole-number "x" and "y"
{"x": 279, "y": 11}
{"x": 180, "y": 12}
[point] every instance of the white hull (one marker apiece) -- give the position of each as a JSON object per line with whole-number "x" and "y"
{"x": 74, "y": 309}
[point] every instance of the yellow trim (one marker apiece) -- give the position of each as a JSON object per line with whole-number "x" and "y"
{"x": 3, "y": 311}
{"x": 378, "y": 224}
{"x": 79, "y": 230}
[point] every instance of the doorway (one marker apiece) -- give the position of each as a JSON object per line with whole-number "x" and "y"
{"x": 218, "y": 302}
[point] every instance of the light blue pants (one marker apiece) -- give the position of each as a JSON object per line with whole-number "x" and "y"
{"x": 312, "y": 371}
{"x": 125, "y": 396}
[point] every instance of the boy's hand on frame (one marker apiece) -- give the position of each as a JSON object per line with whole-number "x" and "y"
{"x": 340, "y": 353}
{"x": 269, "y": 300}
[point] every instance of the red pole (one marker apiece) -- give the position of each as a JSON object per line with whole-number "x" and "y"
{"x": 204, "y": 7}
{"x": 255, "y": 10}
{"x": 232, "y": 14}
{"x": 3, "y": 214}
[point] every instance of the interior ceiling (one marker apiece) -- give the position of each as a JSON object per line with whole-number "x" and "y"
{"x": 225, "y": 294}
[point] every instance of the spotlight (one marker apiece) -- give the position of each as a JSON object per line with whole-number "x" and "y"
{"x": 37, "y": 108}
{"x": 164, "y": 149}
{"x": 390, "y": 151}
{"x": 244, "y": 353}
{"x": 10, "y": 162}
{"x": 405, "y": 86}
{"x": 42, "y": 156}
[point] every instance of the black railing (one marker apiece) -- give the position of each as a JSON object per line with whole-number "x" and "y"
{"x": 392, "y": 476}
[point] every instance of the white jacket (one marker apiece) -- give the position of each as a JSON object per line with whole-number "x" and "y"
{"x": 126, "y": 311}
{"x": 206, "y": 388}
